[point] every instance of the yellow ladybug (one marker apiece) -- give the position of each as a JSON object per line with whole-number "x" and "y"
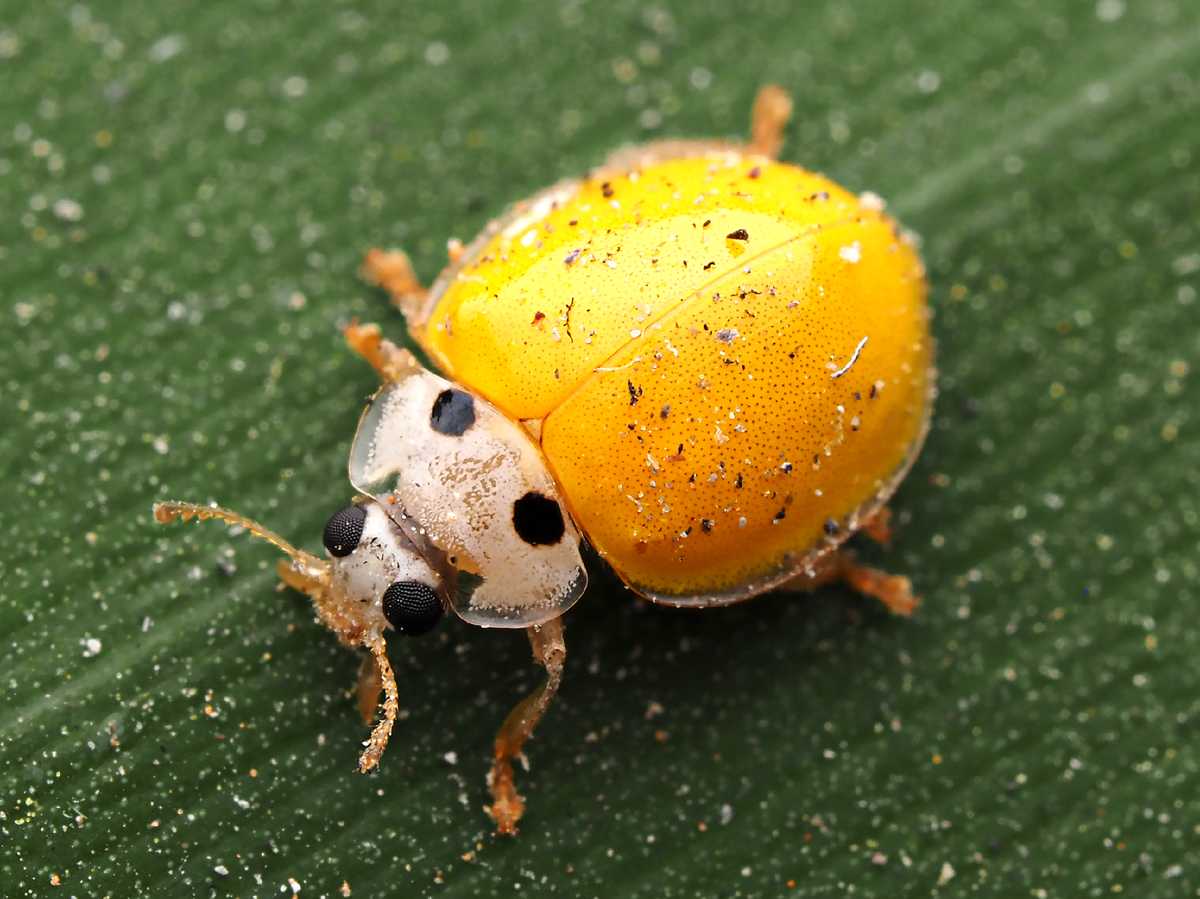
{"x": 714, "y": 366}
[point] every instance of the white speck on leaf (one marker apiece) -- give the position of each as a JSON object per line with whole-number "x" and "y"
{"x": 928, "y": 81}
{"x": 68, "y": 210}
{"x": 10, "y": 45}
{"x": 946, "y": 875}
{"x": 166, "y": 47}
{"x": 1186, "y": 265}
{"x": 295, "y": 86}
{"x": 852, "y": 253}
{"x": 436, "y": 53}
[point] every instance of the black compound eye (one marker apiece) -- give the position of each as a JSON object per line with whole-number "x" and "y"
{"x": 411, "y": 607}
{"x": 344, "y": 530}
{"x": 453, "y": 412}
{"x": 538, "y": 520}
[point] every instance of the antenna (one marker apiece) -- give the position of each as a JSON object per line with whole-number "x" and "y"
{"x": 169, "y": 511}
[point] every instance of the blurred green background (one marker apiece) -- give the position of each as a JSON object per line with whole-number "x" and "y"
{"x": 186, "y": 191}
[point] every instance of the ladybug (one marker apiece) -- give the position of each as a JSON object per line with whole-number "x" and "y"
{"x": 714, "y": 366}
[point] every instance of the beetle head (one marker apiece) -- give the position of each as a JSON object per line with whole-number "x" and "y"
{"x": 378, "y": 573}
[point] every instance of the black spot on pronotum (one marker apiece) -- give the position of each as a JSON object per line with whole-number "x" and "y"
{"x": 781, "y": 514}
{"x": 831, "y": 527}
{"x": 739, "y": 234}
{"x": 453, "y": 413}
{"x": 635, "y": 394}
{"x": 344, "y": 530}
{"x": 538, "y": 520}
{"x": 411, "y": 607}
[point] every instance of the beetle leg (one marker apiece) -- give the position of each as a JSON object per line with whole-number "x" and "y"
{"x": 894, "y": 591}
{"x": 394, "y": 273}
{"x": 549, "y": 650}
{"x": 385, "y": 357}
{"x": 879, "y": 527}
{"x": 391, "y": 705}
{"x": 368, "y": 688}
{"x": 772, "y": 110}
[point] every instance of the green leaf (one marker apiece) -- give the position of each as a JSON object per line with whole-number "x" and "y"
{"x": 186, "y": 191}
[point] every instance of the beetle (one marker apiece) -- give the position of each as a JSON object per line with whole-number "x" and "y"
{"x": 714, "y": 366}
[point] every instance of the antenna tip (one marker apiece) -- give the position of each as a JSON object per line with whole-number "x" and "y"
{"x": 165, "y": 512}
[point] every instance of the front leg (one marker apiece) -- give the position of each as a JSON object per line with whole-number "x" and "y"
{"x": 389, "y": 360}
{"x": 391, "y": 703}
{"x": 548, "y": 650}
{"x": 368, "y": 687}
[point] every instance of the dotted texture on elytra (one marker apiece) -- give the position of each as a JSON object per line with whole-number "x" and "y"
{"x": 742, "y": 342}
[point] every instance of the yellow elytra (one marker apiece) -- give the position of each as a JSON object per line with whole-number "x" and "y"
{"x": 727, "y": 360}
